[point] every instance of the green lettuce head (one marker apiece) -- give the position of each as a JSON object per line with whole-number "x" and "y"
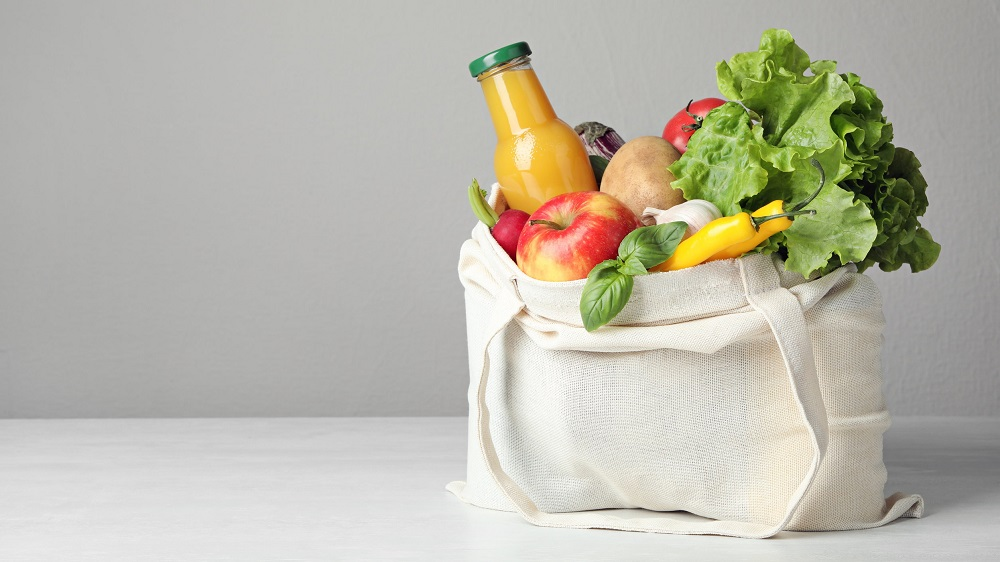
{"x": 790, "y": 111}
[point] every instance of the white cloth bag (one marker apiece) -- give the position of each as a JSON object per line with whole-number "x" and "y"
{"x": 734, "y": 391}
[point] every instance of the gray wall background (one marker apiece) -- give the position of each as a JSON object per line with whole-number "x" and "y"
{"x": 255, "y": 208}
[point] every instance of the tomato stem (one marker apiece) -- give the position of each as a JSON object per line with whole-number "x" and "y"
{"x": 690, "y": 127}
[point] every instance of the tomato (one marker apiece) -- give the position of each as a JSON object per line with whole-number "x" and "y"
{"x": 682, "y": 125}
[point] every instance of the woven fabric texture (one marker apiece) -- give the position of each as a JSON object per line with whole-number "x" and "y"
{"x": 732, "y": 391}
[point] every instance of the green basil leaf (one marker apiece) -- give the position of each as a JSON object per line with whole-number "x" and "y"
{"x": 605, "y": 294}
{"x": 632, "y": 265}
{"x": 652, "y": 245}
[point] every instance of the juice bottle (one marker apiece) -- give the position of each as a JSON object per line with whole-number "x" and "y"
{"x": 538, "y": 156}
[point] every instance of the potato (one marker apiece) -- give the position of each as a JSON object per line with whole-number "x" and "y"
{"x": 637, "y": 175}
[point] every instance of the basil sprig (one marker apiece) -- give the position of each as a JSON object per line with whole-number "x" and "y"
{"x": 609, "y": 284}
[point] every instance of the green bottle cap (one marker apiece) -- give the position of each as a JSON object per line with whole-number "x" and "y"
{"x": 499, "y": 56}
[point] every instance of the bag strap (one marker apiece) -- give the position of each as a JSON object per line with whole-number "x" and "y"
{"x": 784, "y": 316}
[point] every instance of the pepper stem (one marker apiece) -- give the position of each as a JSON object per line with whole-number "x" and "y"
{"x": 757, "y": 221}
{"x": 822, "y": 182}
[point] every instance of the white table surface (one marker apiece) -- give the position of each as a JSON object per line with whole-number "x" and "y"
{"x": 373, "y": 489}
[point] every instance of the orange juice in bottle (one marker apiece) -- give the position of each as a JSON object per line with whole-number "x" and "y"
{"x": 538, "y": 156}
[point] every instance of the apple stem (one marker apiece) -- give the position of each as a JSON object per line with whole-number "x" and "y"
{"x": 547, "y": 223}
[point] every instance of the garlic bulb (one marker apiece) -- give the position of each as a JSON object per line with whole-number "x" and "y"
{"x": 696, "y": 213}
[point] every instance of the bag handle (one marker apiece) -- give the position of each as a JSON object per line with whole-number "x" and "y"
{"x": 766, "y": 296}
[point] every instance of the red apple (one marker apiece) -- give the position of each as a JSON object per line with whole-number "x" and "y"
{"x": 571, "y": 233}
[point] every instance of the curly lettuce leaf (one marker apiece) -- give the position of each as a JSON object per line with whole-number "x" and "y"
{"x": 906, "y": 166}
{"x": 841, "y": 231}
{"x": 841, "y": 227}
{"x": 722, "y": 163}
{"x": 897, "y": 204}
{"x": 866, "y": 135}
{"x": 920, "y": 253}
{"x": 776, "y": 46}
{"x": 796, "y": 110}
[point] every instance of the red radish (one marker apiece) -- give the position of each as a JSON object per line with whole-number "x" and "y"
{"x": 506, "y": 228}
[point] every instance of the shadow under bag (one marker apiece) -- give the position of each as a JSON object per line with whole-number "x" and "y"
{"x": 733, "y": 391}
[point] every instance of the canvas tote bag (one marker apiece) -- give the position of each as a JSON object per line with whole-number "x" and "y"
{"x": 733, "y": 391}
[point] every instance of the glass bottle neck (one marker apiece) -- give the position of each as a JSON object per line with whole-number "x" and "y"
{"x": 515, "y": 97}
